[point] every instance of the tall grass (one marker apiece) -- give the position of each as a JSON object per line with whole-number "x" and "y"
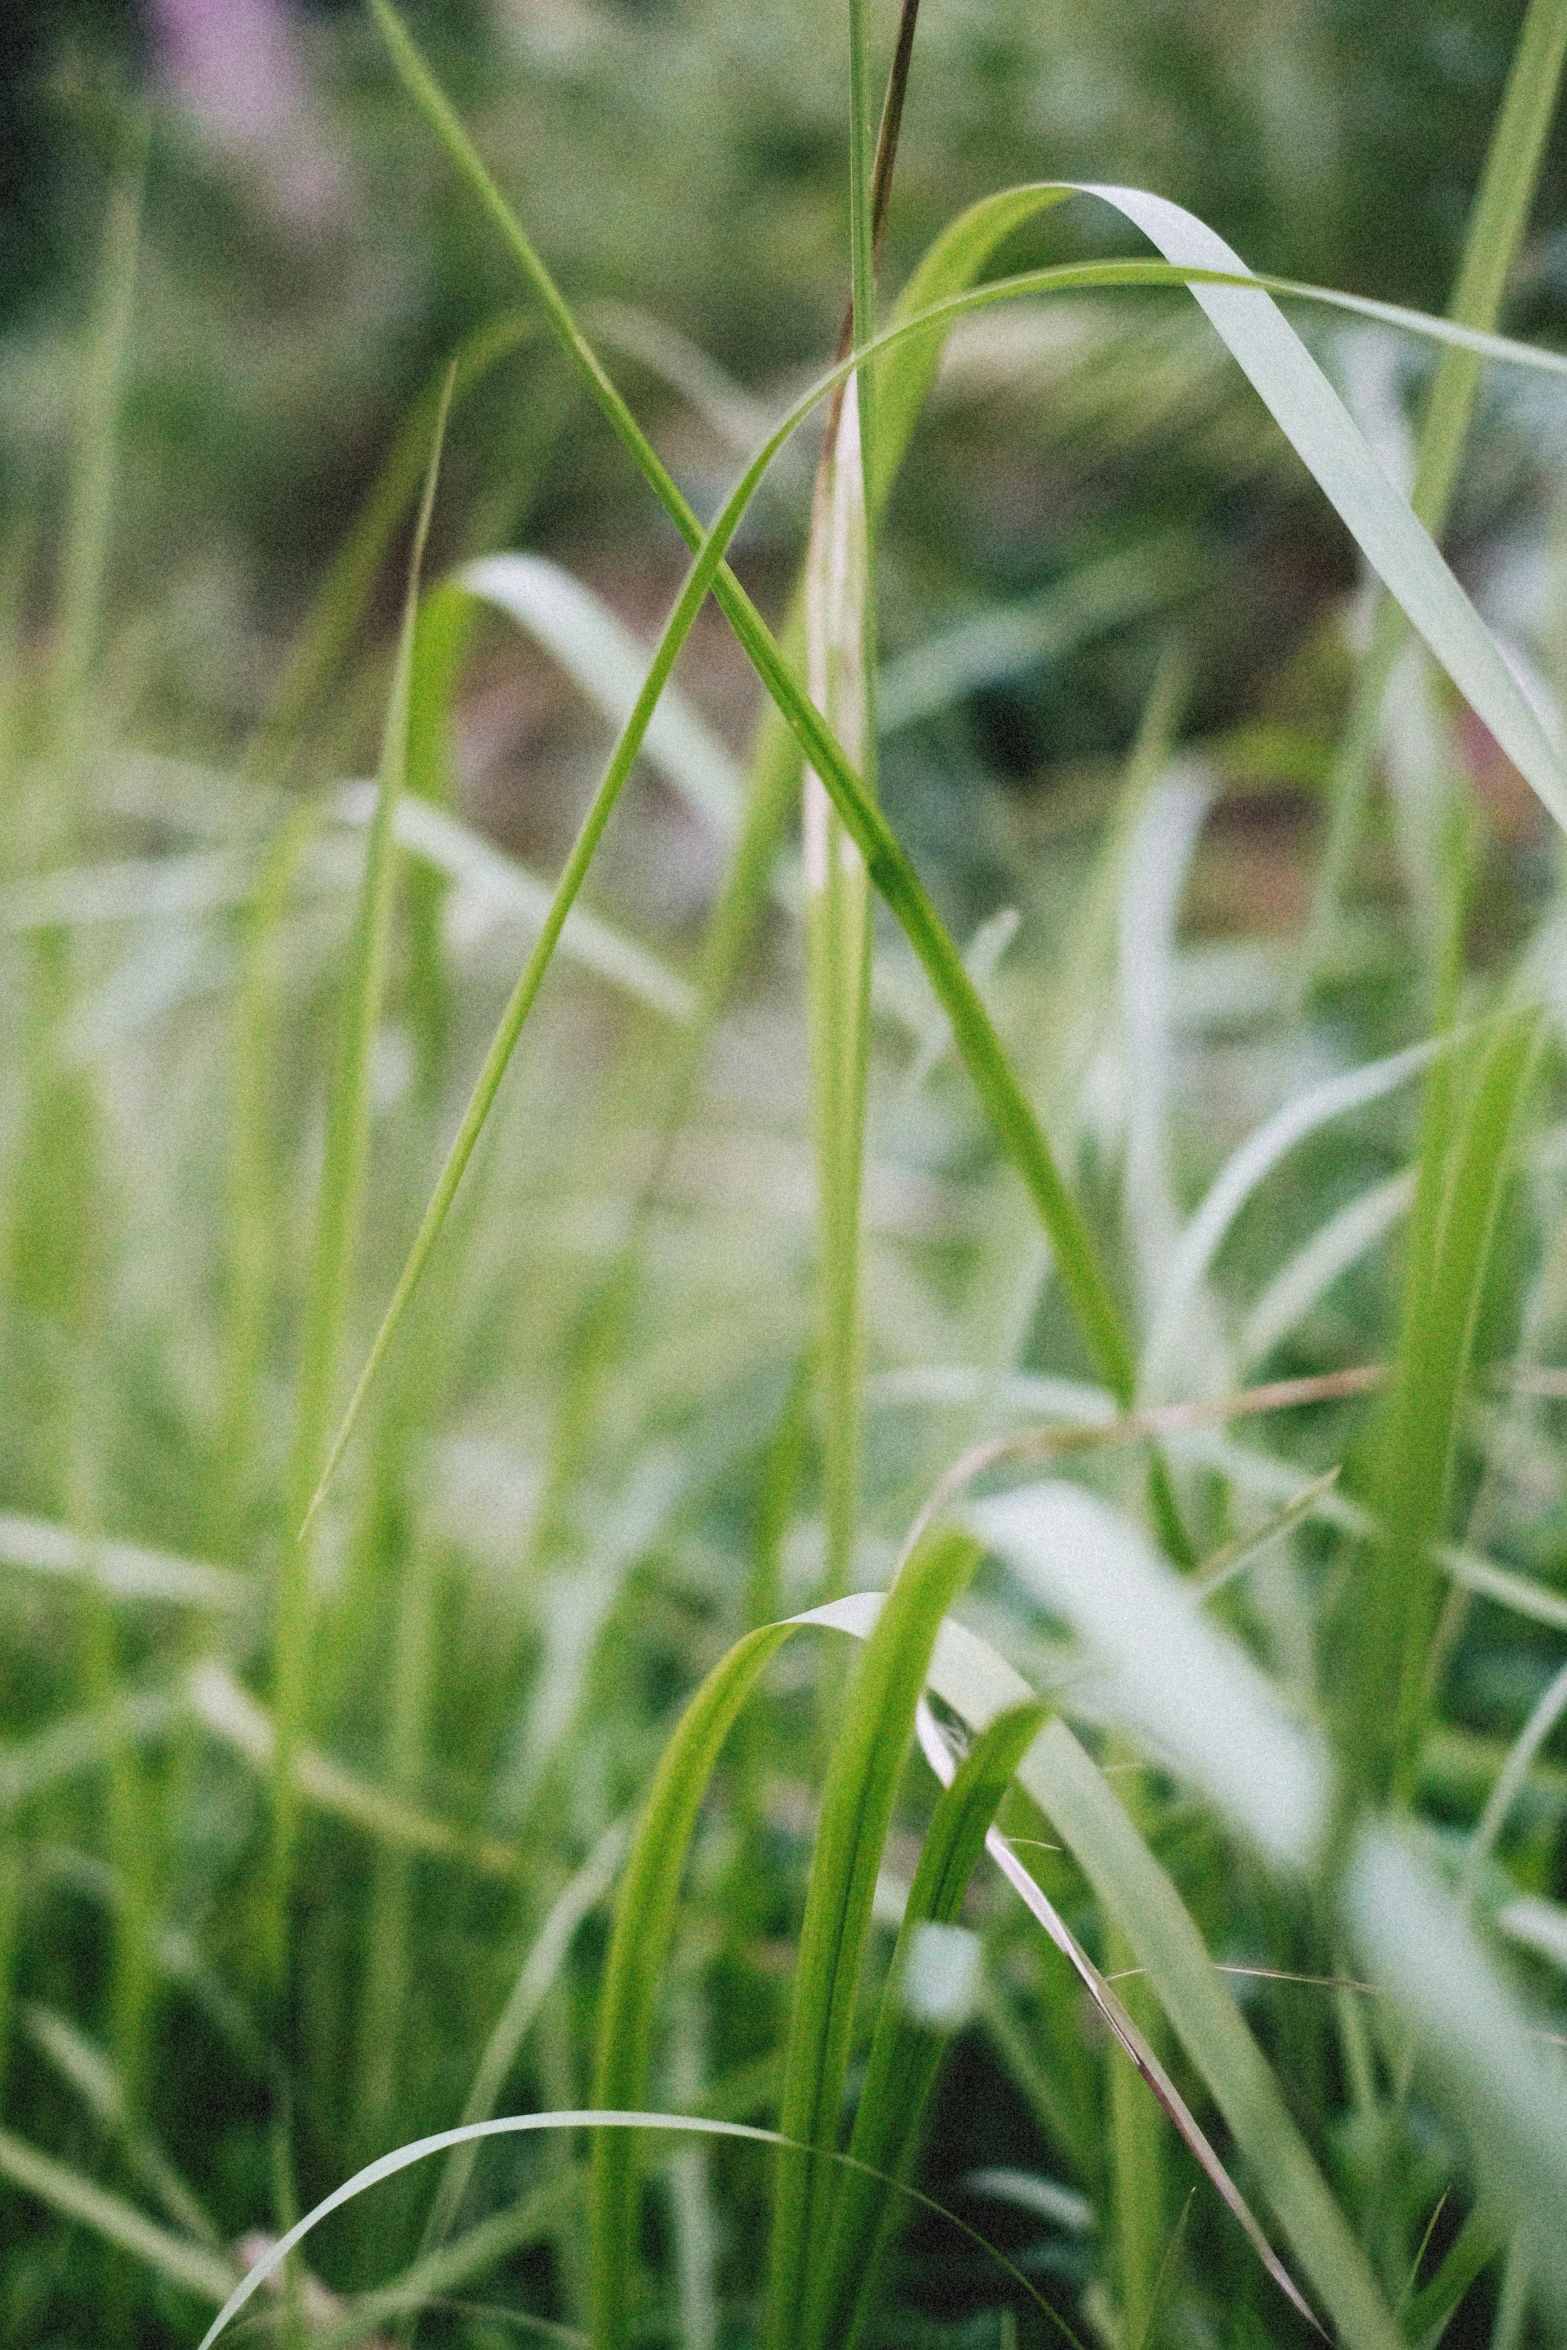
{"x": 432, "y": 1421}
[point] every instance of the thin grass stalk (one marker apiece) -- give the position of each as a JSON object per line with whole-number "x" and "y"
{"x": 337, "y": 1227}
{"x": 89, "y": 511}
{"x": 252, "y": 1175}
{"x": 1496, "y": 229}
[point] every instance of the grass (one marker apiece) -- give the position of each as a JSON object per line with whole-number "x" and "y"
{"x": 432, "y": 1415}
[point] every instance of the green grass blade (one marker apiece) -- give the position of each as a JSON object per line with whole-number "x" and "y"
{"x": 907, "y": 2048}
{"x": 644, "y": 1923}
{"x": 1472, "y": 1106}
{"x": 867, "y": 1761}
{"x": 1496, "y": 228}
{"x": 602, "y": 657}
{"x": 1239, "y": 1178}
{"x": 193, "y": 2267}
{"x": 84, "y": 549}
{"x": 839, "y": 586}
{"x": 339, "y": 603}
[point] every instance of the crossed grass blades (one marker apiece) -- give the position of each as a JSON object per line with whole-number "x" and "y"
{"x": 1393, "y": 2125}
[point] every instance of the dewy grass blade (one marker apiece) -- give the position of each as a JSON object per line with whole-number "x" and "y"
{"x": 337, "y": 1227}
{"x": 908, "y": 2045}
{"x": 1496, "y": 228}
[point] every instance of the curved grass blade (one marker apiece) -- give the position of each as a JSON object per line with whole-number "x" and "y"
{"x": 1235, "y": 1183}
{"x": 1170, "y": 1677}
{"x": 343, "y": 595}
{"x": 1496, "y": 229}
{"x": 597, "y": 2118}
{"x": 958, "y": 1666}
{"x": 602, "y": 657}
{"x": 644, "y": 1924}
{"x": 908, "y": 2046}
{"x": 452, "y": 849}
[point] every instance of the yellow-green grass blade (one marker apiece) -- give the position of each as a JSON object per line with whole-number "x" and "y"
{"x": 1496, "y": 228}
{"x": 909, "y": 2042}
{"x": 1471, "y": 1111}
{"x": 862, "y": 1779}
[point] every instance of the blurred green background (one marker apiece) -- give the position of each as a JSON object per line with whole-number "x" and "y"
{"x": 309, "y": 262}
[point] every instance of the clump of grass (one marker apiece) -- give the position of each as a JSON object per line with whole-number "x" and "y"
{"x": 308, "y": 1849}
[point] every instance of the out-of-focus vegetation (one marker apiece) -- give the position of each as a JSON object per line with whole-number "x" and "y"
{"x": 313, "y": 1843}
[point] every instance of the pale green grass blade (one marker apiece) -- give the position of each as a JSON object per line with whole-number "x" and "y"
{"x": 450, "y": 847}
{"x": 1170, "y": 1678}
{"x": 122, "y": 1570}
{"x": 1222, "y": 1568}
{"x": 1546, "y": 1713}
{"x": 1135, "y": 1891}
{"x": 974, "y": 1679}
{"x": 598, "y": 2118}
{"x": 602, "y": 657}
{"x": 1305, "y": 1278}
{"x": 532, "y": 2219}
{"x": 94, "y": 2078}
{"x": 1537, "y": 1925}
{"x": 839, "y": 585}
{"x": 644, "y": 1924}
{"x": 1496, "y": 229}
{"x": 191, "y": 2266}
{"x": 34, "y": 1767}
{"x": 1097, "y": 596}
{"x": 1239, "y": 1178}
{"x": 1508, "y": 2093}
{"x": 909, "y": 2041}
{"x": 85, "y": 536}
{"x": 577, "y": 1899}
{"x": 232, "y": 1717}
{"x": 862, "y": 1778}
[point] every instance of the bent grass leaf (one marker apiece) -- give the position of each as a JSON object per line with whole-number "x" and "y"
{"x": 1174, "y": 1681}
{"x": 597, "y": 2118}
